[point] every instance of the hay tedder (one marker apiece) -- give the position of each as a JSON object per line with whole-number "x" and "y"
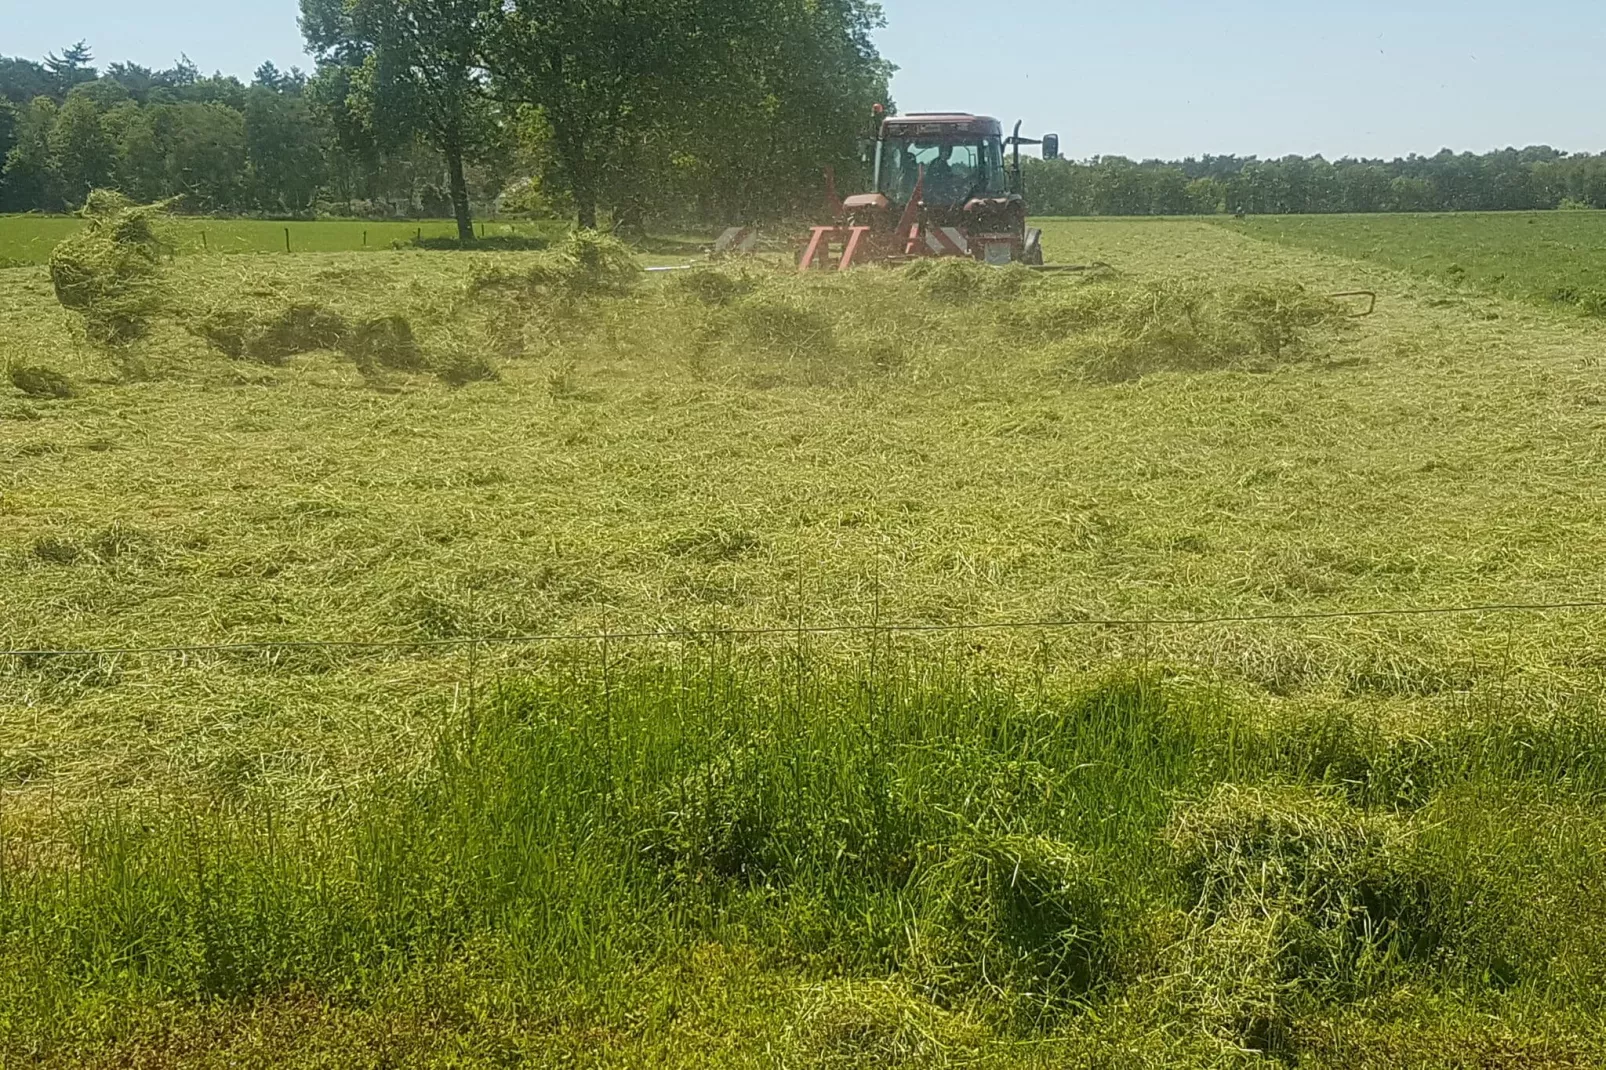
{"x": 945, "y": 185}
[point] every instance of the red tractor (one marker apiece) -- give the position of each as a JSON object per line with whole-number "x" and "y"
{"x": 943, "y": 186}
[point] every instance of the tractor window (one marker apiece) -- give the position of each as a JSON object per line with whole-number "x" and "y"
{"x": 954, "y": 170}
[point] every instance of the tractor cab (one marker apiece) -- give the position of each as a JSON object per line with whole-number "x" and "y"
{"x": 959, "y": 158}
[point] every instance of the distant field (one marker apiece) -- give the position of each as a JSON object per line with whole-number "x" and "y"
{"x": 28, "y": 239}
{"x": 1548, "y": 257}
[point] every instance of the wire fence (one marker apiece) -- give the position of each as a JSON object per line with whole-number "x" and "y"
{"x": 802, "y": 629}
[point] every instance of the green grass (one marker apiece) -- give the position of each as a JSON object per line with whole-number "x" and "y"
{"x": 913, "y": 862}
{"x": 1339, "y": 838}
{"x": 1548, "y": 257}
{"x": 29, "y": 239}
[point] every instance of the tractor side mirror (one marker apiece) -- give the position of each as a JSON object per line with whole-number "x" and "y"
{"x": 1051, "y": 146}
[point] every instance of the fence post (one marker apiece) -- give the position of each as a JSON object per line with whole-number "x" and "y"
{"x": 287, "y": 239}
{"x": 365, "y": 239}
{"x": 203, "y": 241}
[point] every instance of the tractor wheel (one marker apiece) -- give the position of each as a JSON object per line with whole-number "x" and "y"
{"x": 1033, "y": 255}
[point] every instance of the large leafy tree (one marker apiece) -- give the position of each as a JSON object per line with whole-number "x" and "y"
{"x": 600, "y": 72}
{"x": 285, "y": 147}
{"x": 647, "y": 100}
{"x": 22, "y": 80}
{"x": 792, "y": 95}
{"x": 141, "y": 154}
{"x": 205, "y": 146}
{"x": 415, "y": 71}
{"x": 8, "y": 138}
{"x": 284, "y": 140}
{"x": 29, "y": 180}
{"x": 82, "y": 154}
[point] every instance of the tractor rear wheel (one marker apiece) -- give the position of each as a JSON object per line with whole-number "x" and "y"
{"x": 1033, "y": 254}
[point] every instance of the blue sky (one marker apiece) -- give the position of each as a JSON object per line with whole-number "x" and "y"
{"x": 1140, "y": 78}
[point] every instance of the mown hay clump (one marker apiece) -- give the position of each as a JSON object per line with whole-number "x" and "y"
{"x": 462, "y": 368}
{"x": 1295, "y": 849}
{"x": 786, "y": 324}
{"x": 109, "y": 272}
{"x": 1115, "y": 331}
{"x": 710, "y": 286}
{"x": 1045, "y": 907}
{"x": 384, "y": 342}
{"x": 300, "y": 328}
{"x": 273, "y": 337}
{"x": 959, "y": 281}
{"x": 586, "y": 264}
{"x": 1297, "y": 895}
{"x": 40, "y": 382}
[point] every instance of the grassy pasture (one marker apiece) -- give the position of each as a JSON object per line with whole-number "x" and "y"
{"x": 1335, "y": 839}
{"x": 1548, "y": 257}
{"x": 28, "y": 239}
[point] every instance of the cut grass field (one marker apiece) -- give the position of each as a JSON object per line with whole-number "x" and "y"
{"x": 1548, "y": 257}
{"x": 29, "y": 239}
{"x": 1372, "y": 842}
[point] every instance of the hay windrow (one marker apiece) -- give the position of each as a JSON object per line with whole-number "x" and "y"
{"x": 585, "y": 265}
{"x": 1114, "y": 331}
{"x": 586, "y": 294}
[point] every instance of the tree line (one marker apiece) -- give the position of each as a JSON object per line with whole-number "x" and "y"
{"x": 1531, "y": 179}
{"x": 707, "y": 110}
{"x": 634, "y": 108}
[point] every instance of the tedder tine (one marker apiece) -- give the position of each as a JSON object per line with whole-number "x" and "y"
{"x": 855, "y": 235}
{"x": 819, "y": 239}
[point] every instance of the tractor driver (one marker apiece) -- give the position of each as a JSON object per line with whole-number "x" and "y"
{"x": 942, "y": 168}
{"x": 944, "y": 183}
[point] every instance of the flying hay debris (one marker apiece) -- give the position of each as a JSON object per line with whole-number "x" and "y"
{"x": 110, "y": 272}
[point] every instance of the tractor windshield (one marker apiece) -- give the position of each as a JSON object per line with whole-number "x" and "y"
{"x": 955, "y": 171}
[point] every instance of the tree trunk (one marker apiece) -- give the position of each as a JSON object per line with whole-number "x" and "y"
{"x": 571, "y": 143}
{"x": 585, "y": 199}
{"x": 454, "y": 168}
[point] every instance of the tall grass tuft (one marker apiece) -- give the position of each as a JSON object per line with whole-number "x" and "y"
{"x": 1031, "y": 856}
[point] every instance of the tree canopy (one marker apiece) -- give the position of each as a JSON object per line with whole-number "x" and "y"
{"x": 673, "y": 110}
{"x": 415, "y": 72}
